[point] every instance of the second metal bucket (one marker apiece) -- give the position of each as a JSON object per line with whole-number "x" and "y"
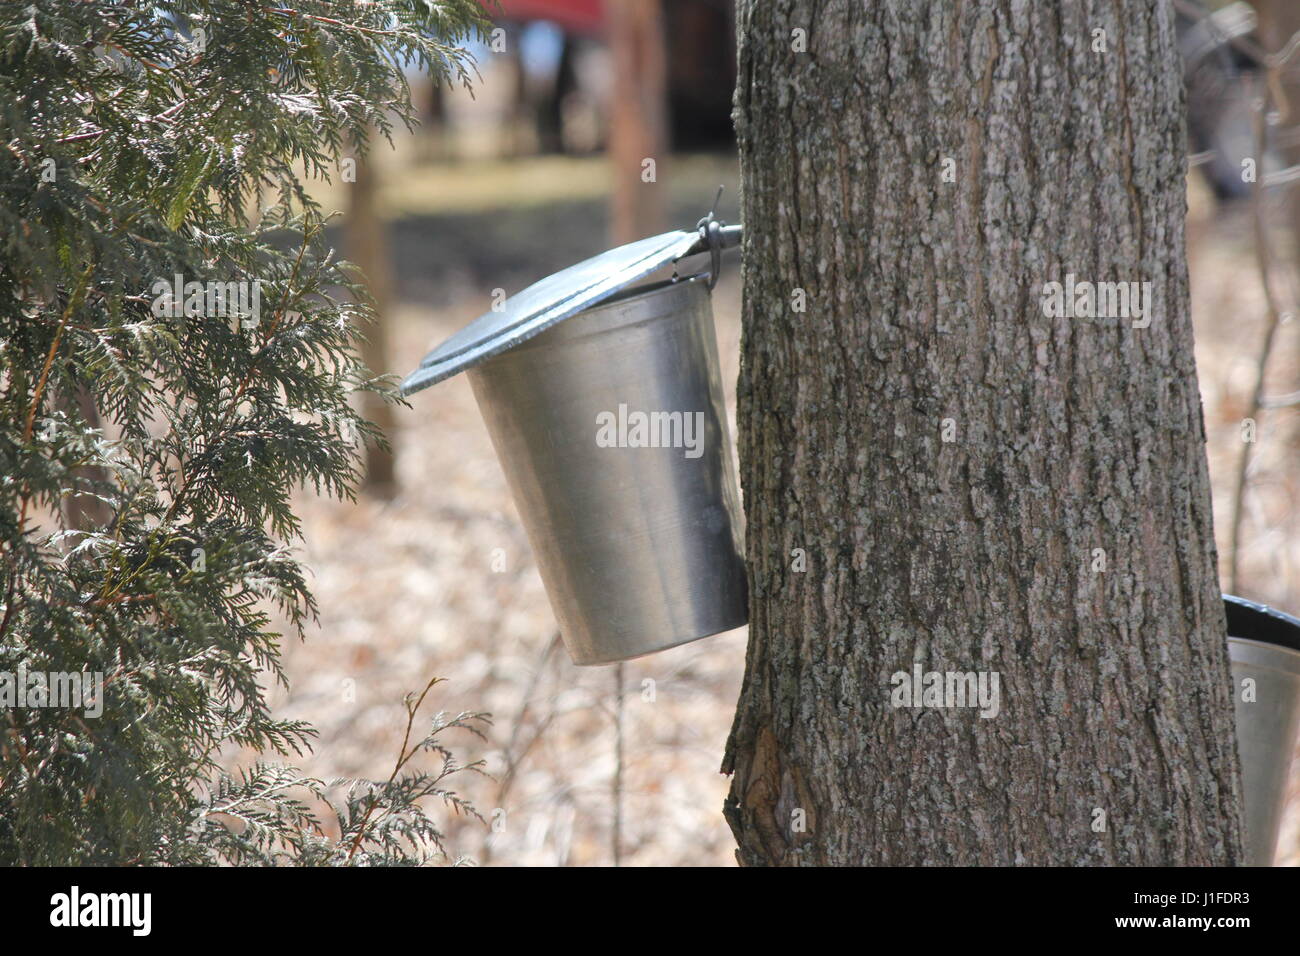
{"x": 612, "y": 433}
{"x": 1264, "y": 648}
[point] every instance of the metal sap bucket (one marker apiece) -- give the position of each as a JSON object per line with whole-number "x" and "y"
{"x": 1264, "y": 646}
{"x": 605, "y": 407}
{"x": 639, "y": 547}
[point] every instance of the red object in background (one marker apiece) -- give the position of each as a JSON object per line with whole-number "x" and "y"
{"x": 576, "y": 16}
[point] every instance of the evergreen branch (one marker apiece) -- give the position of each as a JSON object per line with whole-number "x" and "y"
{"x": 130, "y": 154}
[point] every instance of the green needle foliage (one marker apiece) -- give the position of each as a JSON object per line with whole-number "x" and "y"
{"x": 151, "y": 438}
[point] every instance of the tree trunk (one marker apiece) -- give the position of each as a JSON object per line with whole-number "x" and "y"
{"x": 638, "y": 118}
{"x": 1279, "y": 20}
{"x": 367, "y": 243}
{"x": 967, "y": 484}
{"x": 85, "y": 512}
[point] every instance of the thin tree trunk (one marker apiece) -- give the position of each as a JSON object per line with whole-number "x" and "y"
{"x": 971, "y": 485}
{"x": 368, "y": 247}
{"x": 85, "y": 512}
{"x": 638, "y": 118}
{"x": 1279, "y": 20}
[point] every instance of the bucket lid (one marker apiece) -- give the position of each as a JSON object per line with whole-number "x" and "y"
{"x": 1259, "y": 622}
{"x": 559, "y": 296}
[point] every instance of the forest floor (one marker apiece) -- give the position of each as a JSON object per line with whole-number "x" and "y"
{"x": 408, "y": 591}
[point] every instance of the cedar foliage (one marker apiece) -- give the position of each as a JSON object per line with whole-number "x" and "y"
{"x": 136, "y": 140}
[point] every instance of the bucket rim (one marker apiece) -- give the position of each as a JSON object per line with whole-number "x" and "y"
{"x": 648, "y": 288}
{"x": 1263, "y": 656}
{"x": 1251, "y": 621}
{"x": 576, "y": 330}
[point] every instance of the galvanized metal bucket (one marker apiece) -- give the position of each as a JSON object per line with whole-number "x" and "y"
{"x": 605, "y": 406}
{"x": 1264, "y": 648}
{"x": 612, "y": 432}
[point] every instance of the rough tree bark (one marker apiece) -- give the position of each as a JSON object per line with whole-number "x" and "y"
{"x": 1076, "y": 444}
